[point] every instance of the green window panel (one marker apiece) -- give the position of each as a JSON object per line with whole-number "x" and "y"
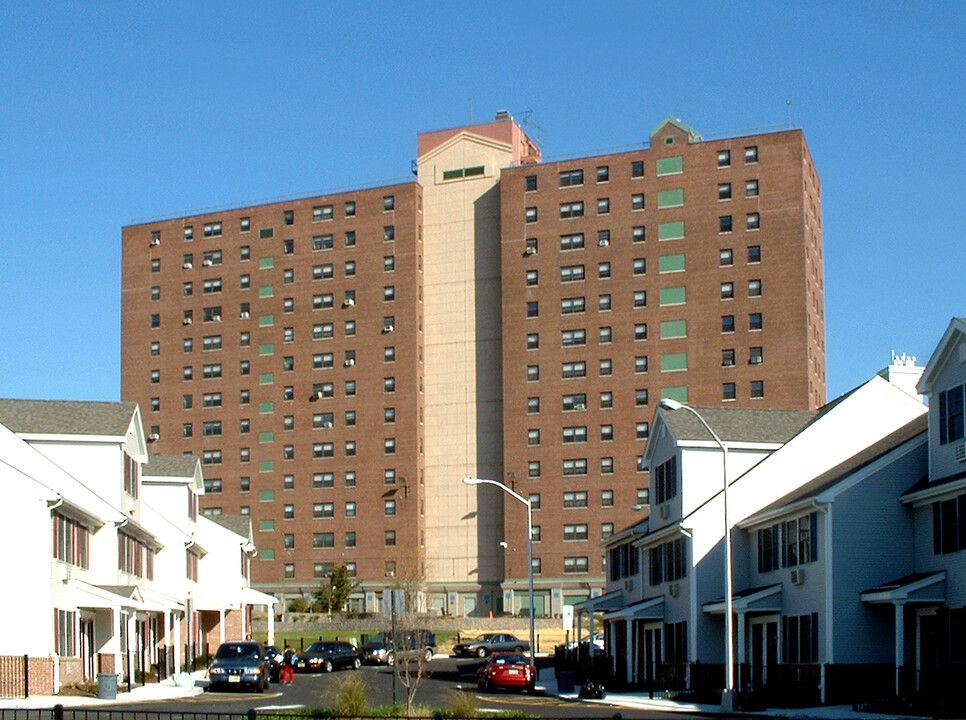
{"x": 266, "y": 554}
{"x": 670, "y": 198}
{"x": 266, "y": 263}
{"x": 674, "y": 362}
{"x": 679, "y": 393}
{"x": 266, "y": 233}
{"x": 266, "y": 378}
{"x": 674, "y": 329}
{"x": 266, "y": 525}
{"x": 266, "y": 349}
{"x": 266, "y": 408}
{"x": 266, "y": 466}
{"x": 266, "y": 320}
{"x": 670, "y": 166}
{"x": 266, "y": 290}
{"x": 266, "y": 495}
{"x": 266, "y": 437}
{"x": 673, "y": 296}
{"x": 671, "y": 263}
{"x": 670, "y": 230}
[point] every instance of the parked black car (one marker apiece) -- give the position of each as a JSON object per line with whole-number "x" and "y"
{"x": 240, "y": 663}
{"x": 327, "y": 656}
{"x": 412, "y": 644}
{"x": 483, "y": 645}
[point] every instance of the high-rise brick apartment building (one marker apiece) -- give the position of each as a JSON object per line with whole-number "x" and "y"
{"x": 341, "y": 362}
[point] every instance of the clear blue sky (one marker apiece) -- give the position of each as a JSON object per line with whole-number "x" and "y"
{"x": 115, "y": 112}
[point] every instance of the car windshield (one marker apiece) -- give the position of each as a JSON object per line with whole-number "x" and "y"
{"x": 321, "y": 647}
{"x": 509, "y": 660}
{"x": 237, "y": 651}
{"x": 482, "y": 638}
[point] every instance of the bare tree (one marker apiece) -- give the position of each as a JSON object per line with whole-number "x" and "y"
{"x": 411, "y": 653}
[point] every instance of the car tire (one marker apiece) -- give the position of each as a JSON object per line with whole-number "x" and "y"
{"x": 328, "y": 666}
{"x": 532, "y": 689}
{"x": 481, "y": 652}
{"x": 356, "y": 664}
{"x": 428, "y": 655}
{"x": 390, "y": 659}
{"x": 480, "y": 686}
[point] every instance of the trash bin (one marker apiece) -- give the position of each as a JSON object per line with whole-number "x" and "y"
{"x": 107, "y": 686}
{"x": 565, "y": 681}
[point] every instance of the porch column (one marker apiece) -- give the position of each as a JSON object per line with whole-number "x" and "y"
{"x": 270, "y": 612}
{"x": 629, "y": 650}
{"x": 166, "y": 633}
{"x": 176, "y": 643}
{"x": 741, "y": 646}
{"x": 221, "y": 625}
{"x": 900, "y": 642}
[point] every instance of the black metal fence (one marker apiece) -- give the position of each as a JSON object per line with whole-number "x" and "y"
{"x": 59, "y": 712}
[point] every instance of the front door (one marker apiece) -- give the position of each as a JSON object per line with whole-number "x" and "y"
{"x": 764, "y": 651}
{"x": 652, "y": 655}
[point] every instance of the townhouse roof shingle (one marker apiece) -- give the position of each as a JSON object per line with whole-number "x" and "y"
{"x": 238, "y": 524}
{"x": 66, "y": 417}
{"x": 862, "y": 458}
{"x": 732, "y": 424}
{"x": 170, "y": 466}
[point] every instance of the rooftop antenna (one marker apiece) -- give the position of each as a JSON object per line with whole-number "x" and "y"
{"x": 527, "y": 122}
{"x": 471, "y": 110}
{"x": 788, "y": 109}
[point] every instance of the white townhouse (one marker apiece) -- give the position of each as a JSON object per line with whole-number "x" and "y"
{"x": 665, "y": 622}
{"x": 103, "y": 576}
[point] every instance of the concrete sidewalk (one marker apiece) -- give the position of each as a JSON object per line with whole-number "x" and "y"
{"x": 165, "y": 690}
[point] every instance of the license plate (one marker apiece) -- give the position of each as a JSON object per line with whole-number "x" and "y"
{"x": 301, "y": 663}
{"x": 234, "y": 678}
{"x": 512, "y": 671}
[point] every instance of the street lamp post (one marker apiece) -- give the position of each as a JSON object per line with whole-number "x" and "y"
{"x": 728, "y": 694}
{"x": 525, "y": 501}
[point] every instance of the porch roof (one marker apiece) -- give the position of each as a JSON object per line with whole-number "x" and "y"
{"x": 251, "y": 596}
{"x": 650, "y": 609}
{"x": 107, "y": 596}
{"x": 607, "y": 601}
{"x": 929, "y": 588}
{"x": 766, "y": 599}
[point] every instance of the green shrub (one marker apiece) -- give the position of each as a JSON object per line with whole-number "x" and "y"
{"x": 351, "y": 696}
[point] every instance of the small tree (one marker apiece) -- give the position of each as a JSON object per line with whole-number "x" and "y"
{"x": 335, "y": 590}
{"x": 407, "y": 598}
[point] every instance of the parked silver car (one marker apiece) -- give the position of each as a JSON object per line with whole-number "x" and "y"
{"x": 483, "y": 645}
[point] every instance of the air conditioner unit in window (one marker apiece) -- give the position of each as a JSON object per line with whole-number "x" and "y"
{"x": 315, "y": 396}
{"x": 207, "y": 263}
{"x": 216, "y": 318}
{"x": 797, "y": 577}
{"x": 349, "y": 302}
{"x": 187, "y": 266}
{"x": 665, "y": 511}
{"x": 244, "y": 314}
{"x": 326, "y": 424}
{"x": 629, "y": 585}
{"x": 154, "y": 436}
{"x": 388, "y": 329}
{"x": 155, "y": 242}
{"x": 186, "y": 321}
{"x": 530, "y": 251}
{"x": 350, "y": 362}
{"x": 674, "y": 589}
{"x": 960, "y": 452}
{"x": 603, "y": 243}
{"x": 579, "y": 406}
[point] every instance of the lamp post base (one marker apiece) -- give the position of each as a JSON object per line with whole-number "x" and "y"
{"x": 728, "y": 698}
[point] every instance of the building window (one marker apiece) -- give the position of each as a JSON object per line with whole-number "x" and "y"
{"x": 533, "y": 437}
{"x": 757, "y": 388}
{"x": 603, "y": 206}
{"x": 607, "y": 498}
{"x": 751, "y": 154}
{"x": 753, "y": 221}
{"x": 575, "y": 466}
{"x": 603, "y": 173}
{"x": 574, "y": 370}
{"x": 572, "y": 338}
{"x": 727, "y": 323}
{"x": 728, "y": 391}
{"x": 534, "y": 499}
{"x": 389, "y": 507}
{"x": 573, "y": 533}
{"x": 603, "y": 302}
{"x": 726, "y": 257}
{"x": 754, "y": 254}
{"x": 606, "y": 433}
{"x": 530, "y": 214}
{"x": 574, "y": 565}
{"x": 728, "y": 357}
{"x": 571, "y": 210}
{"x": 389, "y": 233}
{"x": 605, "y": 335}
{"x": 573, "y": 305}
{"x": 642, "y": 430}
{"x": 574, "y": 241}
{"x": 575, "y": 499}
{"x": 637, "y": 169}
{"x": 727, "y": 290}
{"x": 606, "y": 367}
{"x": 575, "y": 434}
{"x": 664, "y": 480}
{"x": 755, "y": 321}
{"x": 533, "y": 405}
{"x": 640, "y": 364}
{"x": 641, "y": 397}
{"x": 638, "y": 234}
{"x": 751, "y": 188}
{"x": 570, "y": 178}
{"x": 724, "y": 224}
{"x": 389, "y": 538}
{"x": 531, "y": 183}
{"x": 606, "y": 400}
{"x": 607, "y": 466}
{"x": 667, "y": 562}
{"x": 724, "y": 158}
{"x": 754, "y": 288}
{"x": 724, "y": 191}
{"x": 389, "y": 203}
{"x": 533, "y": 373}
{"x": 637, "y": 201}
{"x": 800, "y": 639}
{"x": 533, "y": 309}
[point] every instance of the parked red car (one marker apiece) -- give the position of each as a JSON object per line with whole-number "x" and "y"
{"x": 508, "y": 670}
